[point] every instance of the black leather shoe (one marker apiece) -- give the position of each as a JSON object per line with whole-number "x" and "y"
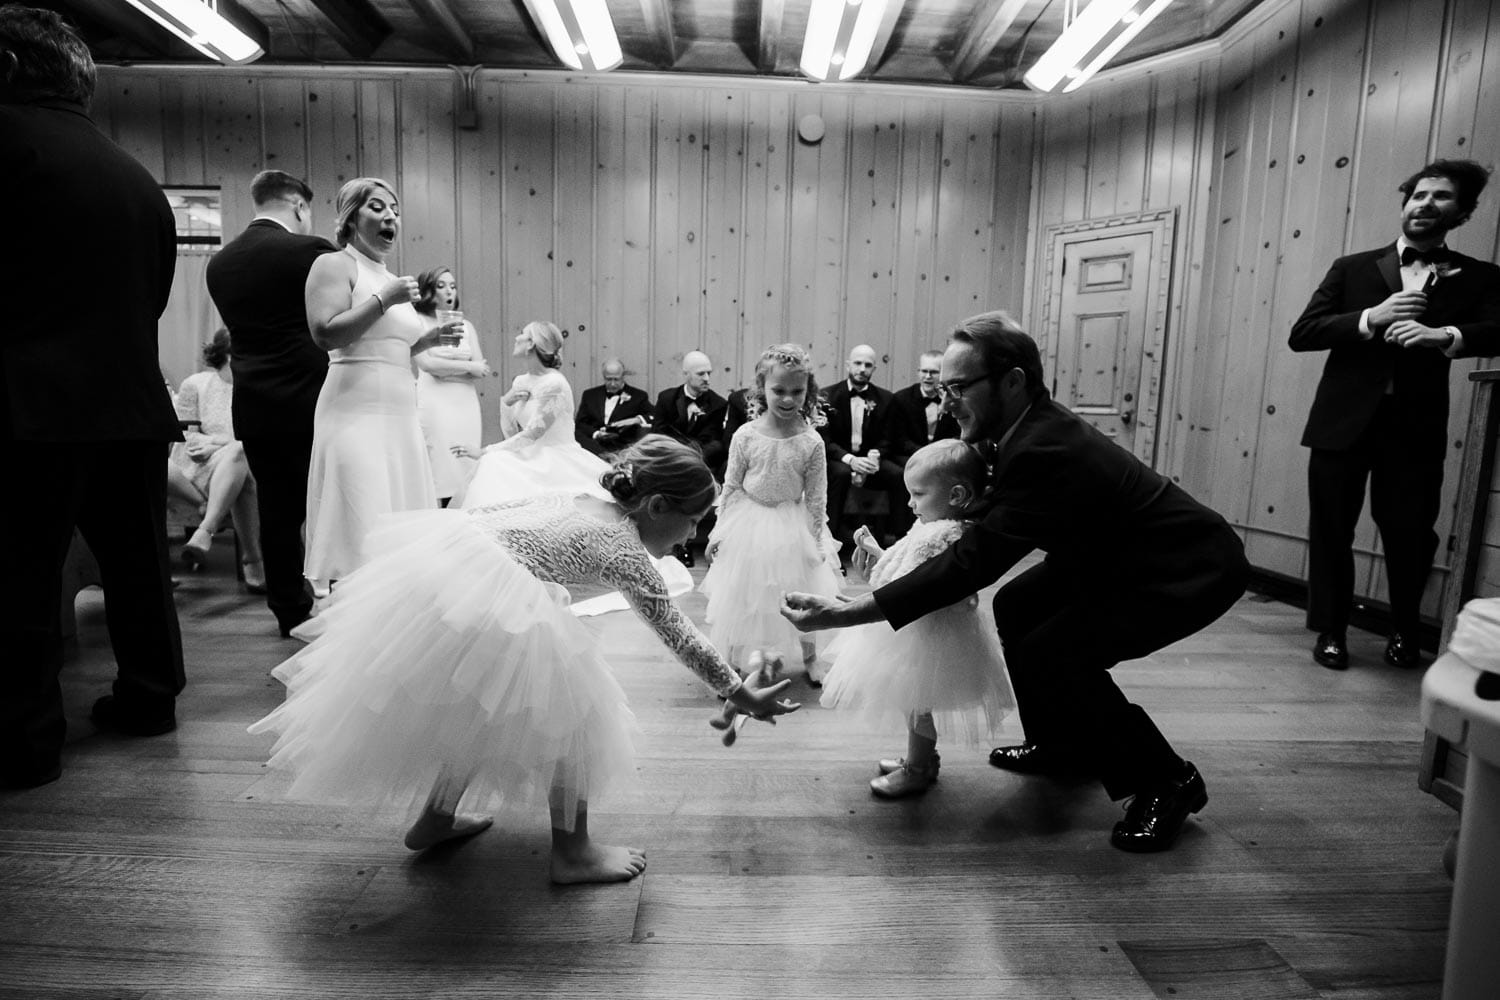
{"x": 30, "y": 779}
{"x": 1028, "y": 758}
{"x": 1331, "y": 651}
{"x": 1154, "y": 819}
{"x": 1402, "y": 652}
{"x": 107, "y": 714}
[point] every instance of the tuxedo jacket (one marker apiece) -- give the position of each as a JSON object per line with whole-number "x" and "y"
{"x": 1358, "y": 371}
{"x": 705, "y": 430}
{"x": 90, "y": 262}
{"x": 258, "y": 282}
{"x": 836, "y": 431}
{"x": 736, "y": 414}
{"x": 1109, "y": 522}
{"x": 590, "y": 416}
{"x": 907, "y": 428}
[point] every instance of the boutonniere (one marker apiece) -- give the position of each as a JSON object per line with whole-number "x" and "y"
{"x": 1444, "y": 269}
{"x": 624, "y": 397}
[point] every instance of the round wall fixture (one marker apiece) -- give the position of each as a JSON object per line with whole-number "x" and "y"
{"x": 810, "y": 128}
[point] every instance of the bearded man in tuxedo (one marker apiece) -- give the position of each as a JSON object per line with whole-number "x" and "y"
{"x": 920, "y": 417}
{"x": 613, "y": 414}
{"x": 857, "y": 419}
{"x": 1391, "y": 319}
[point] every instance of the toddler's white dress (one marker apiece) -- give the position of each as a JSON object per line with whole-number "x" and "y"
{"x": 451, "y": 653}
{"x": 948, "y": 663}
{"x": 772, "y": 535}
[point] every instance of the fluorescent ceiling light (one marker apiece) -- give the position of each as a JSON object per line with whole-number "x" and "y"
{"x": 205, "y": 28}
{"x": 580, "y": 32}
{"x": 840, "y": 34}
{"x": 1093, "y": 38}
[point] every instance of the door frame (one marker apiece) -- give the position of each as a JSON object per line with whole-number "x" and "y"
{"x": 1162, "y": 227}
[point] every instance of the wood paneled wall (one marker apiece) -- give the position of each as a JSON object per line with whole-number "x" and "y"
{"x": 648, "y": 217}
{"x": 1304, "y": 128}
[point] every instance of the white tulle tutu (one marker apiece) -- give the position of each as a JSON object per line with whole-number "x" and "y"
{"x": 948, "y": 663}
{"x": 764, "y": 552}
{"x": 442, "y": 657}
{"x": 512, "y": 474}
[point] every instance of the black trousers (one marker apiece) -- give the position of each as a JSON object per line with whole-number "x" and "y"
{"x": 889, "y": 479}
{"x": 1059, "y": 647}
{"x": 279, "y": 463}
{"x": 115, "y": 494}
{"x": 1404, "y": 468}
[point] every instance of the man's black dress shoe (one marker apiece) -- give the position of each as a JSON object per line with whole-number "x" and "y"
{"x": 1331, "y": 651}
{"x": 1402, "y": 652}
{"x": 107, "y": 714}
{"x": 1028, "y": 758}
{"x": 1154, "y": 819}
{"x": 33, "y": 779}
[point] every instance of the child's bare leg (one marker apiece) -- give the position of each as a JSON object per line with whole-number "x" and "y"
{"x": 576, "y": 858}
{"x": 918, "y": 771}
{"x": 815, "y": 673}
{"x": 440, "y": 820}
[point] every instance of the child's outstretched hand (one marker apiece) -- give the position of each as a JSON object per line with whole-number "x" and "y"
{"x": 753, "y": 701}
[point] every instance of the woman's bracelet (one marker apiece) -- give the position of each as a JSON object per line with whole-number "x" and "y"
{"x": 379, "y": 302}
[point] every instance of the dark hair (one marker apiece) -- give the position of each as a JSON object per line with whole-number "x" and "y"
{"x": 1468, "y": 178}
{"x": 352, "y": 197}
{"x": 278, "y": 185}
{"x": 658, "y": 465}
{"x": 216, "y": 351}
{"x": 426, "y": 303}
{"x": 792, "y": 357}
{"x": 1003, "y": 345}
{"x": 51, "y": 59}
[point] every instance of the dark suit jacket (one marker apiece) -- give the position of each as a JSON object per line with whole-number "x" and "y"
{"x": 736, "y": 414}
{"x": 907, "y": 429}
{"x": 258, "y": 282}
{"x": 590, "y": 416}
{"x": 1358, "y": 371}
{"x": 1111, "y": 523}
{"x": 90, "y": 261}
{"x": 836, "y": 432}
{"x": 706, "y": 430}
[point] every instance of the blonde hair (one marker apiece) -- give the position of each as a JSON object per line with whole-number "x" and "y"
{"x": 794, "y": 358}
{"x": 658, "y": 465}
{"x": 352, "y": 197}
{"x": 546, "y": 341}
{"x": 953, "y": 460}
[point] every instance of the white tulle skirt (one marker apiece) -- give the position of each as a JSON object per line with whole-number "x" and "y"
{"x": 947, "y": 663}
{"x": 442, "y": 658}
{"x": 764, "y": 552}
{"x": 543, "y": 467}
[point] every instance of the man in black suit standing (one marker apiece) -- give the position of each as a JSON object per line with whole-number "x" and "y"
{"x": 1391, "y": 320}
{"x": 855, "y": 430}
{"x": 1132, "y": 564}
{"x": 85, "y": 419}
{"x": 612, "y": 415}
{"x": 920, "y": 417}
{"x": 693, "y": 412}
{"x": 257, "y": 282}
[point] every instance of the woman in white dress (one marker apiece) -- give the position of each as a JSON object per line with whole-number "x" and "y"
{"x": 447, "y": 400}
{"x": 368, "y": 455}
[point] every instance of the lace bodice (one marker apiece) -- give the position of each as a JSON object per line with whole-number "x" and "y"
{"x": 207, "y": 398}
{"x": 925, "y": 540}
{"x": 771, "y": 471}
{"x": 546, "y": 416}
{"x": 561, "y": 544}
{"x": 391, "y": 337}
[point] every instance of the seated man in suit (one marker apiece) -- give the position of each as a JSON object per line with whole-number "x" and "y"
{"x": 693, "y": 412}
{"x": 919, "y": 417}
{"x": 736, "y": 414}
{"x": 612, "y": 415}
{"x": 855, "y": 430}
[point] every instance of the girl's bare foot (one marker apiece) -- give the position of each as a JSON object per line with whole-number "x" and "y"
{"x": 435, "y": 828}
{"x": 596, "y": 863}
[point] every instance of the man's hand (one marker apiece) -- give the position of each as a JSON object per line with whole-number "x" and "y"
{"x": 1409, "y": 333}
{"x": 1399, "y": 306}
{"x": 864, "y": 464}
{"x": 812, "y": 612}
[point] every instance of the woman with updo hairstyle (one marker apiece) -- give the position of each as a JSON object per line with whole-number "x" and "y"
{"x": 369, "y": 457}
{"x": 449, "y": 667}
{"x": 447, "y": 399}
{"x": 208, "y": 470}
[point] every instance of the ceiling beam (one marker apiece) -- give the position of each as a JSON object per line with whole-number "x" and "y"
{"x": 658, "y": 17}
{"x": 440, "y": 12}
{"x": 355, "y": 25}
{"x": 128, "y": 26}
{"x": 988, "y": 27}
{"x": 769, "y": 52}
{"x": 883, "y": 36}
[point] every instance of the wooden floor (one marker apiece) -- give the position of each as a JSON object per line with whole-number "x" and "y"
{"x": 166, "y": 867}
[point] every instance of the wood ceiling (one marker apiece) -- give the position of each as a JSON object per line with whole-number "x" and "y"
{"x": 970, "y": 43}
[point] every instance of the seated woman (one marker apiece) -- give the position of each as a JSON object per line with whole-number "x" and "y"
{"x": 209, "y": 470}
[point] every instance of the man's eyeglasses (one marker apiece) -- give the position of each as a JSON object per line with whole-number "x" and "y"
{"x": 956, "y": 390}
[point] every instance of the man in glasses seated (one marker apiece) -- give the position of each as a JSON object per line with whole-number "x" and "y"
{"x": 1132, "y": 564}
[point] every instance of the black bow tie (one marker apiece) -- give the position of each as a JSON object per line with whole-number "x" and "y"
{"x": 934, "y": 398}
{"x": 611, "y": 395}
{"x": 860, "y": 392}
{"x": 1437, "y": 255}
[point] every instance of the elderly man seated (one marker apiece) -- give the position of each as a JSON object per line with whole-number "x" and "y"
{"x": 612, "y": 415}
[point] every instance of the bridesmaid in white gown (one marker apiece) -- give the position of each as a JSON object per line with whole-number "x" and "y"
{"x": 369, "y": 457}
{"x": 447, "y": 399}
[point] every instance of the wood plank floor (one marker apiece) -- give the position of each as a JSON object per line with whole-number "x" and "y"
{"x": 167, "y": 868}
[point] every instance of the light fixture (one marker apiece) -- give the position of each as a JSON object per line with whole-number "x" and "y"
{"x": 1092, "y": 39}
{"x": 580, "y": 32}
{"x": 217, "y": 28}
{"x": 840, "y": 34}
